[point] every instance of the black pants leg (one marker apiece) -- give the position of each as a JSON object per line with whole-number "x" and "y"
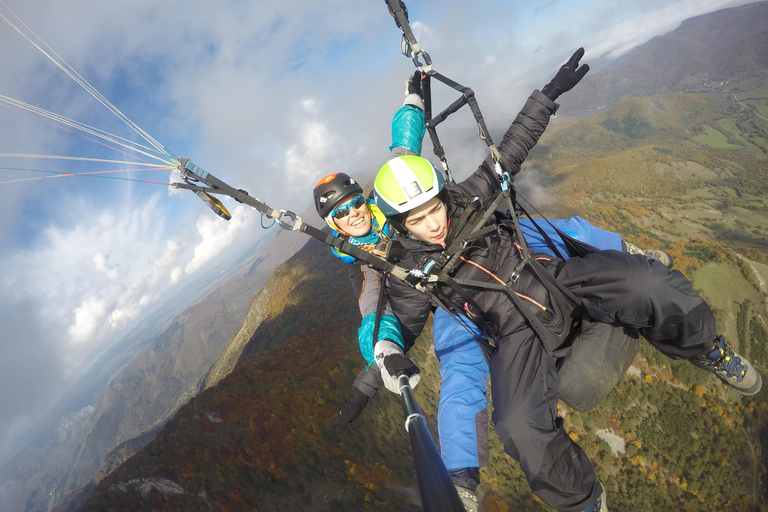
{"x": 641, "y": 293}
{"x": 614, "y": 287}
{"x": 524, "y": 385}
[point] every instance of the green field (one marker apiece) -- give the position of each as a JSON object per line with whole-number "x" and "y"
{"x": 752, "y": 141}
{"x": 715, "y": 139}
{"x": 725, "y": 289}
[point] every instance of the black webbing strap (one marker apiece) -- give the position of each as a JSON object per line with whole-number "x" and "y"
{"x": 575, "y": 247}
{"x": 470, "y": 231}
{"x": 545, "y": 276}
{"x": 445, "y": 278}
{"x": 467, "y": 98}
{"x": 344, "y": 246}
{"x": 543, "y": 233}
{"x": 474, "y": 283}
{"x": 397, "y": 10}
{"x": 379, "y": 307}
{"x": 437, "y": 147}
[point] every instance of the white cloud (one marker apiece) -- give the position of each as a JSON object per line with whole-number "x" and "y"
{"x": 176, "y": 274}
{"x": 89, "y": 319}
{"x": 217, "y": 234}
{"x": 164, "y": 265}
{"x": 97, "y": 275}
{"x": 315, "y": 148}
{"x": 102, "y": 267}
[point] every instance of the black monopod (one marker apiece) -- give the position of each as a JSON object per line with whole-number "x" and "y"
{"x": 438, "y": 493}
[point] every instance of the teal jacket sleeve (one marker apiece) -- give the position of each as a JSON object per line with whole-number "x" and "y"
{"x": 408, "y": 128}
{"x": 389, "y": 329}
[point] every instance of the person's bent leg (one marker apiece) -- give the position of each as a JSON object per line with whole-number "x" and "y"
{"x": 632, "y": 290}
{"x": 462, "y": 417}
{"x": 524, "y": 385}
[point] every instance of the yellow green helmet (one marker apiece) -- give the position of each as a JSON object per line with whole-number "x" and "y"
{"x": 404, "y": 183}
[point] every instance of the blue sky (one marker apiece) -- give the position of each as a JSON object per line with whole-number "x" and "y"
{"x": 269, "y": 96}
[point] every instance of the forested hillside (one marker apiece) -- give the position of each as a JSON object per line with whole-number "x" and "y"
{"x": 258, "y": 438}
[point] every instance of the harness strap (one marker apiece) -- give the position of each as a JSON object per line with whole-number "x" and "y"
{"x": 543, "y": 233}
{"x": 468, "y": 232}
{"x": 575, "y": 247}
{"x": 379, "y": 307}
{"x": 445, "y": 278}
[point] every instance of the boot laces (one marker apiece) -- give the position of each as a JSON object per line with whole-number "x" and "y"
{"x": 723, "y": 360}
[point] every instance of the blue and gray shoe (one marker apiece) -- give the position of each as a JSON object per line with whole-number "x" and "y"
{"x": 731, "y": 368}
{"x": 652, "y": 254}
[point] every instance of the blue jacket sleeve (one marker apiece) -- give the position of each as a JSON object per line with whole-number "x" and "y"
{"x": 389, "y": 329}
{"x": 408, "y": 129}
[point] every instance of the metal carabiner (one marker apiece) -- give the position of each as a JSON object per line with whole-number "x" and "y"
{"x": 427, "y": 66}
{"x": 295, "y": 218}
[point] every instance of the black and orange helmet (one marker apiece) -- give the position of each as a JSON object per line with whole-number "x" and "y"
{"x": 330, "y": 190}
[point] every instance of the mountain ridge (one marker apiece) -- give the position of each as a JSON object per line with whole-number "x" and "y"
{"x": 728, "y": 44}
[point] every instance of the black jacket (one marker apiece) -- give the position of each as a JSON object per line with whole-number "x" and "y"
{"x": 497, "y": 254}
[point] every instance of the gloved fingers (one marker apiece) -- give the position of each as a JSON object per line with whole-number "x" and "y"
{"x": 413, "y": 84}
{"x": 398, "y": 365}
{"x": 385, "y": 348}
{"x": 346, "y": 416}
{"x": 581, "y": 72}
{"x": 573, "y": 62}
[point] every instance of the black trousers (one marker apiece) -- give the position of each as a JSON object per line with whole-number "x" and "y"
{"x": 615, "y": 287}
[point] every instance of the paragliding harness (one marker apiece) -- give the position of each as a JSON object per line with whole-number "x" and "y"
{"x": 472, "y": 225}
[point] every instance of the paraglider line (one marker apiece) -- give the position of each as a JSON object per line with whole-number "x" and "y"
{"x": 92, "y": 174}
{"x": 88, "y": 138}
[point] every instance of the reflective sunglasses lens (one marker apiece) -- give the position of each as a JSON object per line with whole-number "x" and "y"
{"x": 341, "y": 212}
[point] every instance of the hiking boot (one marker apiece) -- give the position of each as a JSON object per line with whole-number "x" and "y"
{"x": 730, "y": 367}
{"x": 468, "y": 498}
{"x": 600, "y": 505}
{"x": 651, "y": 254}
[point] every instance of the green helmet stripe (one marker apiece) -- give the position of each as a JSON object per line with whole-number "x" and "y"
{"x": 387, "y": 185}
{"x": 406, "y": 182}
{"x": 414, "y": 177}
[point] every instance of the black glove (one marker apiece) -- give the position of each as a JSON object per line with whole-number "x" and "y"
{"x": 401, "y": 365}
{"x": 350, "y": 411}
{"x": 414, "y": 94}
{"x": 393, "y": 363}
{"x": 413, "y": 84}
{"x": 567, "y": 77}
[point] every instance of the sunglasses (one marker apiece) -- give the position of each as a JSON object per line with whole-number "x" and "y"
{"x": 342, "y": 211}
